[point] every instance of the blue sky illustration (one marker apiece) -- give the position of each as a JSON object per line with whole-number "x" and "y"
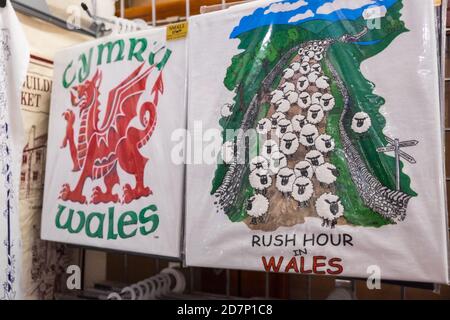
{"x": 295, "y": 12}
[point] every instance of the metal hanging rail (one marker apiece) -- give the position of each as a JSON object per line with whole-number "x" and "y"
{"x": 30, "y": 11}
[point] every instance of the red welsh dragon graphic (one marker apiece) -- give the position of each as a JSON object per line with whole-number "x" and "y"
{"x": 102, "y": 148}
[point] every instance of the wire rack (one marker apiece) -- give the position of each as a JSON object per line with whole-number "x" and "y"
{"x": 126, "y": 268}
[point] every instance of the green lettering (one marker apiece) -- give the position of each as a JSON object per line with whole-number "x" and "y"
{"x": 162, "y": 63}
{"x": 85, "y": 69}
{"x": 110, "y": 46}
{"x": 127, "y": 219}
{"x": 143, "y": 219}
{"x": 137, "y": 54}
{"x": 111, "y": 234}
{"x": 58, "y": 216}
{"x": 66, "y": 83}
{"x": 98, "y": 233}
{"x": 164, "y": 60}
{"x": 68, "y": 224}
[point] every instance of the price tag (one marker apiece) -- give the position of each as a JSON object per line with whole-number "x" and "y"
{"x": 177, "y": 31}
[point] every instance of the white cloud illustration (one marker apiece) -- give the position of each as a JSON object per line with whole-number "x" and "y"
{"x": 336, "y": 5}
{"x": 301, "y": 16}
{"x": 284, "y": 7}
{"x": 374, "y": 12}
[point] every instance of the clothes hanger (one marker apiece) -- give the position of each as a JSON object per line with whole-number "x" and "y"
{"x": 2, "y": 3}
{"x": 159, "y": 286}
{"x": 114, "y": 296}
{"x": 129, "y": 290}
{"x": 164, "y": 282}
{"x": 145, "y": 288}
{"x": 180, "y": 281}
{"x": 153, "y": 284}
{"x": 167, "y": 282}
{"x": 117, "y": 25}
{"x": 138, "y": 290}
{"x": 175, "y": 284}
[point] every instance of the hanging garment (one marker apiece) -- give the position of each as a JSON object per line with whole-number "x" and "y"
{"x": 44, "y": 263}
{"x": 14, "y": 57}
{"x": 327, "y": 157}
{"x": 111, "y": 178}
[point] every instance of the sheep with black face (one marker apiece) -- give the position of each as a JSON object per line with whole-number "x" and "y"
{"x": 302, "y": 84}
{"x": 277, "y": 161}
{"x": 259, "y": 162}
{"x": 327, "y": 102}
{"x": 295, "y": 66}
{"x": 315, "y": 158}
{"x": 302, "y": 191}
{"x": 312, "y": 77}
{"x": 325, "y": 143}
{"x": 361, "y": 122}
{"x": 318, "y": 56}
{"x": 304, "y": 100}
{"x": 260, "y": 180}
{"x": 288, "y": 73}
{"x": 257, "y": 208}
{"x": 323, "y": 83}
{"x": 316, "y": 67}
{"x": 285, "y": 181}
{"x": 282, "y": 105}
{"x": 305, "y": 68}
{"x": 287, "y": 86}
{"x": 289, "y": 144}
{"x": 308, "y": 135}
{"x": 276, "y": 95}
{"x": 277, "y": 116}
{"x": 292, "y": 97}
{"x": 304, "y": 169}
{"x": 269, "y": 147}
{"x": 298, "y": 122}
{"x": 226, "y": 110}
{"x": 284, "y": 126}
{"x": 315, "y": 114}
{"x": 310, "y": 53}
{"x": 330, "y": 209}
{"x": 264, "y": 125}
{"x": 326, "y": 174}
{"x": 315, "y": 97}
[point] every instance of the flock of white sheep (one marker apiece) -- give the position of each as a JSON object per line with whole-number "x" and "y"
{"x": 301, "y": 104}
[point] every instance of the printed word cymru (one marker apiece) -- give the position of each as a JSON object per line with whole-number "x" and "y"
{"x": 96, "y": 224}
{"x": 285, "y": 240}
{"x": 135, "y": 49}
{"x": 314, "y": 265}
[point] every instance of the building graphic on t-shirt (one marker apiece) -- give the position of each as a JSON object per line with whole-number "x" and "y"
{"x": 33, "y": 165}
